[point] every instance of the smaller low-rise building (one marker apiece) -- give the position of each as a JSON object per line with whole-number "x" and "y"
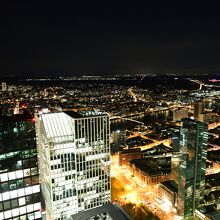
{"x": 178, "y": 114}
{"x": 127, "y": 155}
{"x": 168, "y": 190}
{"x": 151, "y": 171}
{"x": 208, "y": 212}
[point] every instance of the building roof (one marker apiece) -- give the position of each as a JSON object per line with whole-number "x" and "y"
{"x": 171, "y": 185}
{"x": 85, "y": 114}
{"x": 73, "y": 114}
{"x": 130, "y": 151}
{"x": 57, "y": 124}
{"x": 154, "y": 166}
{"x": 214, "y": 215}
{"x": 157, "y": 150}
{"x": 114, "y": 211}
{"x": 61, "y": 124}
{"x": 210, "y": 211}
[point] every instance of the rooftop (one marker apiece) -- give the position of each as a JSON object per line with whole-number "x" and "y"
{"x": 170, "y": 184}
{"x": 60, "y": 124}
{"x": 158, "y": 166}
{"x": 84, "y": 114}
{"x": 157, "y": 150}
{"x": 210, "y": 212}
{"x": 135, "y": 150}
{"x": 212, "y": 180}
{"x": 57, "y": 124}
{"x": 105, "y": 212}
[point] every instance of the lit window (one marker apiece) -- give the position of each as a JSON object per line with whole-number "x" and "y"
{"x": 31, "y": 216}
{"x": 37, "y": 206}
{"x": 13, "y": 194}
{"x": 37, "y": 215}
{"x": 21, "y": 192}
{"x": 5, "y": 196}
{"x": 11, "y": 175}
{"x": 22, "y": 210}
{"x": 22, "y": 201}
{"x": 8, "y": 214}
{"x": 28, "y": 190}
{"x": 36, "y": 189}
{"x": 19, "y": 163}
{"x": 15, "y": 212}
{"x": 30, "y": 208}
{"x": 27, "y": 172}
{"x": 15, "y": 130}
{"x": 4, "y": 177}
{"x": 19, "y": 174}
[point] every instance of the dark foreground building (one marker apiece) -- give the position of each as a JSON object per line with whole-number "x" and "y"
{"x": 19, "y": 180}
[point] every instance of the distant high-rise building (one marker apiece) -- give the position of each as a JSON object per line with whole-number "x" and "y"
{"x": 17, "y": 108}
{"x": 193, "y": 153}
{"x": 126, "y": 156}
{"x": 119, "y": 137}
{"x": 4, "y": 87}
{"x": 45, "y": 93}
{"x": 178, "y": 114}
{"x": 74, "y": 159}
{"x": 198, "y": 110}
{"x": 19, "y": 178}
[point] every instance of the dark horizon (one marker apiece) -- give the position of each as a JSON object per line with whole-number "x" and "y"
{"x": 116, "y": 38}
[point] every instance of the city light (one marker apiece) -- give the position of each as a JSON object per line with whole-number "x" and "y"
{"x": 147, "y": 144}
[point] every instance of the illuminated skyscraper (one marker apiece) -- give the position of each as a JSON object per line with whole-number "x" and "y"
{"x": 175, "y": 159}
{"x": 4, "y": 86}
{"x": 74, "y": 158}
{"x": 178, "y": 114}
{"x": 19, "y": 179}
{"x": 198, "y": 110}
{"x": 193, "y": 152}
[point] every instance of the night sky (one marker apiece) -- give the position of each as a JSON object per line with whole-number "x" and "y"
{"x": 108, "y": 37}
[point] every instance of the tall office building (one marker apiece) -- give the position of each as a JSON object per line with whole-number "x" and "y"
{"x": 4, "y": 87}
{"x": 175, "y": 159}
{"x": 119, "y": 137}
{"x": 198, "y": 110}
{"x": 193, "y": 153}
{"x": 74, "y": 159}
{"x": 178, "y": 114}
{"x": 19, "y": 179}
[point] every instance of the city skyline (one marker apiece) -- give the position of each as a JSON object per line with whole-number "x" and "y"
{"x": 159, "y": 157}
{"x": 109, "y": 111}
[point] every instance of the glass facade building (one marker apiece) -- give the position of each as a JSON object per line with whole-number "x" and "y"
{"x": 198, "y": 110}
{"x": 19, "y": 178}
{"x": 74, "y": 159}
{"x": 192, "y": 165}
{"x": 175, "y": 155}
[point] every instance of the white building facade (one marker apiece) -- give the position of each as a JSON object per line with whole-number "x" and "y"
{"x": 74, "y": 162}
{"x": 4, "y": 87}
